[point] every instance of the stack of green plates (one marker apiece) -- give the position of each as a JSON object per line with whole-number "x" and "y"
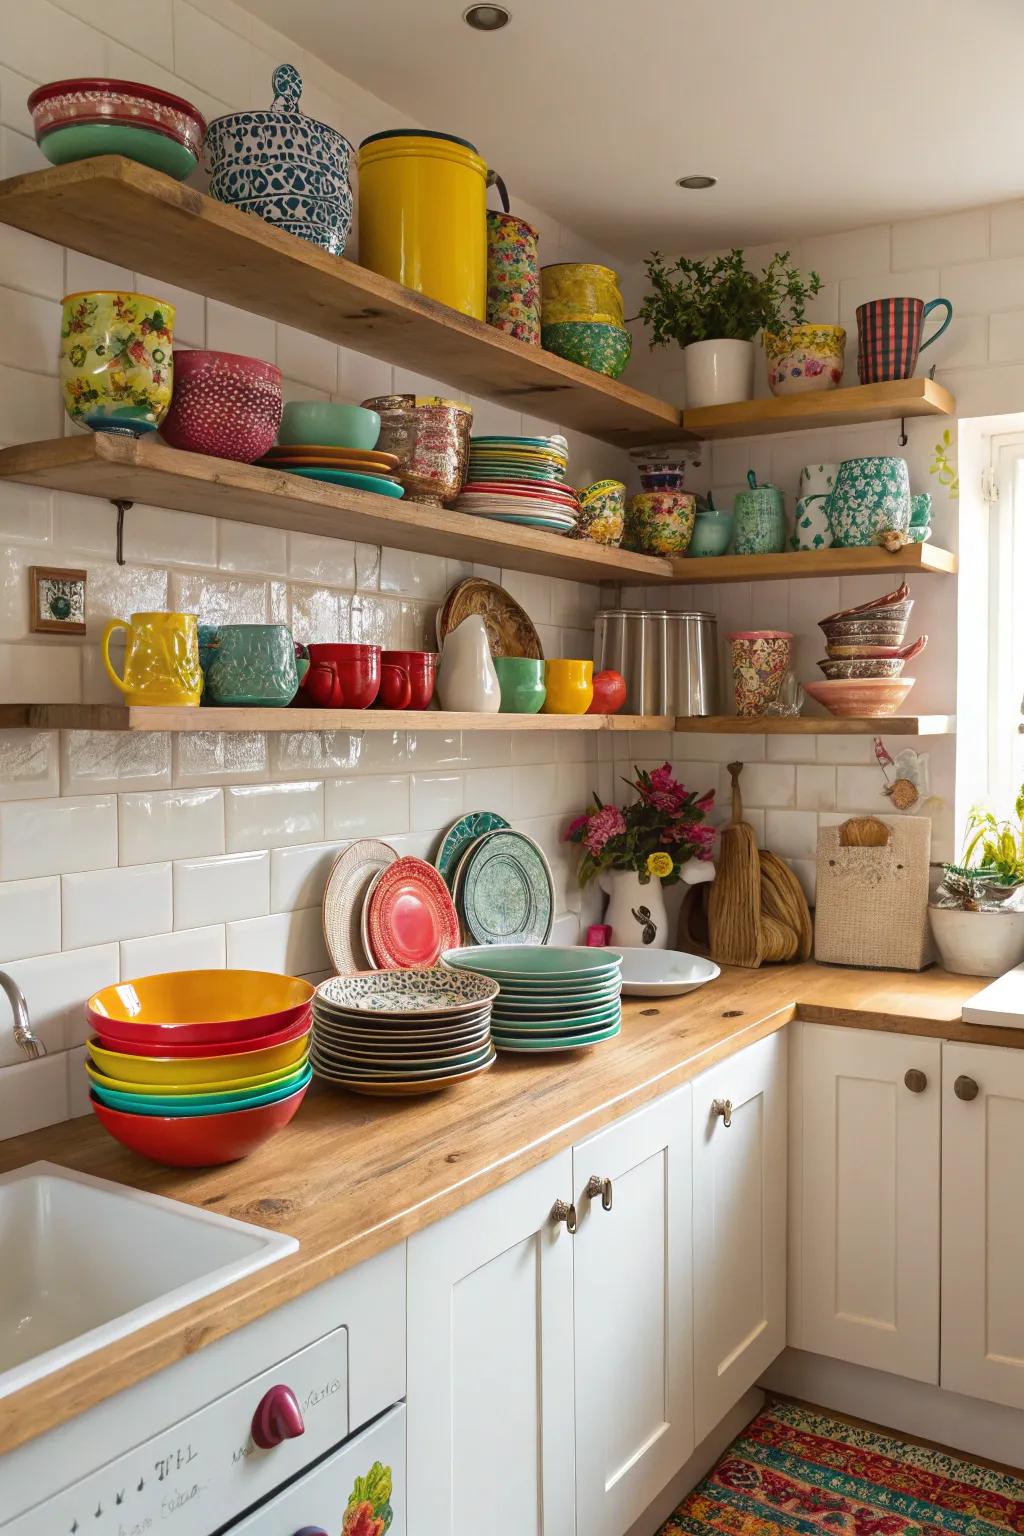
{"x": 549, "y": 999}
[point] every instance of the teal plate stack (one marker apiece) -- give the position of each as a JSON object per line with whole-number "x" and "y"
{"x": 549, "y": 999}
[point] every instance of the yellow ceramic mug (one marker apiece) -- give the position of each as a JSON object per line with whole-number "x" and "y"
{"x": 570, "y": 687}
{"x": 161, "y": 661}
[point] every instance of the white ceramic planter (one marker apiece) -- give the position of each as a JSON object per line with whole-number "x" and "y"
{"x": 978, "y": 943}
{"x": 718, "y": 372}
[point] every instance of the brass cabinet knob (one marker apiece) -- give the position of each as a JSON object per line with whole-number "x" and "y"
{"x": 965, "y": 1088}
{"x": 596, "y": 1186}
{"x": 560, "y": 1212}
{"x": 916, "y": 1080}
{"x": 723, "y": 1107}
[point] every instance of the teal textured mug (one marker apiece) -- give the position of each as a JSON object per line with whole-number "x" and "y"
{"x": 759, "y": 519}
{"x": 522, "y": 684}
{"x": 251, "y": 664}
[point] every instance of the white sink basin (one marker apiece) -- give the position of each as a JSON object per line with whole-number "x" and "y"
{"x": 86, "y": 1261}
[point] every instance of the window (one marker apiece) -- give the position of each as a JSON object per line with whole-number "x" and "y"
{"x": 1005, "y": 620}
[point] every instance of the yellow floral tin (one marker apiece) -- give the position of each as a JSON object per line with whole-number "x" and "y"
{"x": 116, "y": 368}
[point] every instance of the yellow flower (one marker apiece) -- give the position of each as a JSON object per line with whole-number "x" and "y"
{"x": 659, "y": 864}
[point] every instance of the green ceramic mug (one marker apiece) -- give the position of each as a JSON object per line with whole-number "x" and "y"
{"x": 522, "y": 684}
{"x": 251, "y": 664}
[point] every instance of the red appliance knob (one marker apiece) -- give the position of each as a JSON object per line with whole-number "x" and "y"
{"x": 277, "y": 1418}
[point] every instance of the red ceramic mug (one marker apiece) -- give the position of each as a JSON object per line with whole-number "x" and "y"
{"x": 342, "y": 676}
{"x": 395, "y": 687}
{"x": 421, "y": 667}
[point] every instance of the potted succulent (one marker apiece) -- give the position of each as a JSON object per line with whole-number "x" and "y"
{"x": 633, "y": 850}
{"x": 713, "y": 309}
{"x": 977, "y": 919}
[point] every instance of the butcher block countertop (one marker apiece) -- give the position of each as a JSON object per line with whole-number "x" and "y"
{"x": 352, "y": 1176}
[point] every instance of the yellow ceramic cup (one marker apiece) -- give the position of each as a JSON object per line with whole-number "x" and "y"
{"x": 570, "y": 687}
{"x": 116, "y": 366}
{"x": 161, "y": 661}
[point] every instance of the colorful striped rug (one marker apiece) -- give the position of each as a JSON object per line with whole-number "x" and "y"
{"x": 793, "y": 1469}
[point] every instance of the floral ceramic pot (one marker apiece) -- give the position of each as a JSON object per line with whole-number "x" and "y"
{"x": 593, "y": 344}
{"x": 225, "y": 405}
{"x": 760, "y": 660}
{"x": 871, "y": 496}
{"x": 661, "y": 522}
{"x": 284, "y": 167}
{"x": 580, "y": 290}
{"x": 811, "y": 527}
{"x": 116, "y": 367}
{"x": 601, "y": 517}
{"x": 805, "y": 358}
{"x": 431, "y": 439}
{"x": 513, "y": 277}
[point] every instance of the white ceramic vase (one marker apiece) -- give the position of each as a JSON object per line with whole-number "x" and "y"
{"x": 466, "y": 679}
{"x": 978, "y": 943}
{"x": 718, "y": 372}
{"x": 636, "y": 913}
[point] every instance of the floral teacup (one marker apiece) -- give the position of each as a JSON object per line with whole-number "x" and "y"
{"x": 805, "y": 358}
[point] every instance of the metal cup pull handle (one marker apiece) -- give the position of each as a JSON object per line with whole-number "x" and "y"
{"x": 723, "y": 1107}
{"x": 561, "y": 1211}
{"x": 598, "y": 1187}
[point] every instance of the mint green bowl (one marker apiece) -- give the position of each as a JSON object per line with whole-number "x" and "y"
{"x": 200, "y": 1103}
{"x": 327, "y": 424}
{"x": 84, "y": 141}
{"x": 533, "y": 962}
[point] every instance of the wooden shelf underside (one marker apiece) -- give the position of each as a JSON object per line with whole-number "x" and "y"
{"x": 869, "y": 560}
{"x": 860, "y": 403}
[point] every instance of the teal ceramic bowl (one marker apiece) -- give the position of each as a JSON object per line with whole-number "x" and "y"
{"x": 593, "y": 344}
{"x": 712, "y": 532}
{"x": 83, "y": 141}
{"x": 535, "y": 962}
{"x": 328, "y": 425}
{"x": 522, "y": 684}
{"x": 167, "y": 1105}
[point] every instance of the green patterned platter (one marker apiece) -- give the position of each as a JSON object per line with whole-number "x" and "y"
{"x": 508, "y": 894}
{"x": 458, "y": 838}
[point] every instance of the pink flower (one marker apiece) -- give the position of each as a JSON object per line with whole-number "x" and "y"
{"x": 706, "y": 802}
{"x": 663, "y": 800}
{"x": 702, "y": 837}
{"x": 574, "y": 826}
{"x": 606, "y": 823}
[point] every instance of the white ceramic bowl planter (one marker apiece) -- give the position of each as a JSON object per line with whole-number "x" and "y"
{"x": 978, "y": 943}
{"x": 718, "y": 372}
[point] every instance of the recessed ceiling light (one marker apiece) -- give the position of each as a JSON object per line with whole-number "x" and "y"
{"x": 697, "y": 183}
{"x": 487, "y": 18}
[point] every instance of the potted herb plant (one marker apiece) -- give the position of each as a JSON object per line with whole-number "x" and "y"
{"x": 713, "y": 309}
{"x": 633, "y": 850}
{"x": 977, "y": 919}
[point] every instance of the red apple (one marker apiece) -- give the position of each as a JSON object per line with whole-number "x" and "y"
{"x": 609, "y": 693}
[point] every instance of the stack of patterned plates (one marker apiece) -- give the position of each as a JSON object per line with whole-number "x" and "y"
{"x": 402, "y": 1032}
{"x": 364, "y": 469}
{"x": 550, "y": 999}
{"x": 519, "y": 480}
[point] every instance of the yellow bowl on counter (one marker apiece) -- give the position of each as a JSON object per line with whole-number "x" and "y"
{"x": 570, "y": 687}
{"x": 224, "y": 1085}
{"x": 185, "y": 1072}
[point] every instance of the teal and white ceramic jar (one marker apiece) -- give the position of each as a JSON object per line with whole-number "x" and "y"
{"x": 871, "y": 496}
{"x": 759, "y": 520}
{"x": 817, "y": 479}
{"x": 811, "y": 527}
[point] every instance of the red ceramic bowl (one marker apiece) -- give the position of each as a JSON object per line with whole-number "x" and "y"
{"x": 295, "y": 1031}
{"x": 198, "y": 1007}
{"x": 223, "y": 404}
{"x": 63, "y": 103}
{"x": 198, "y": 1141}
{"x": 342, "y": 676}
{"x": 421, "y": 667}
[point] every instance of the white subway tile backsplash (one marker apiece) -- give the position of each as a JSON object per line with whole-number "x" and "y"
{"x": 292, "y": 942}
{"x": 951, "y": 237}
{"x": 845, "y": 749}
{"x": 169, "y": 824}
{"x": 251, "y": 547}
{"x": 220, "y": 600}
{"x": 56, "y": 837}
{"x": 29, "y": 918}
{"x": 56, "y": 986}
{"x": 26, "y": 514}
{"x": 307, "y": 359}
{"x": 534, "y": 789}
{"x": 33, "y": 1094}
{"x": 313, "y": 754}
{"x": 371, "y": 805}
{"x": 298, "y": 876}
{"x": 94, "y": 762}
{"x": 273, "y": 815}
{"x": 28, "y": 263}
{"x": 1007, "y": 229}
{"x": 233, "y": 330}
{"x": 220, "y": 890}
{"x": 40, "y": 674}
{"x": 29, "y": 765}
{"x": 790, "y": 749}
{"x": 328, "y": 562}
{"x": 218, "y": 757}
{"x": 105, "y": 905}
{"x": 78, "y": 1082}
{"x": 815, "y": 787}
{"x": 983, "y": 287}
{"x": 793, "y": 834}
{"x": 769, "y": 784}
{"x": 491, "y": 789}
{"x": 860, "y": 789}
{"x": 191, "y": 949}
{"x": 417, "y": 575}
{"x": 435, "y": 800}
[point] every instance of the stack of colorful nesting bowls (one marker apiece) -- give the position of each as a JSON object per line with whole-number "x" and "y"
{"x": 549, "y": 999}
{"x": 196, "y": 1068}
{"x": 581, "y": 316}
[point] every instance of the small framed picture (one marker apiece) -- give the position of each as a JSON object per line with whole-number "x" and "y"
{"x": 58, "y": 600}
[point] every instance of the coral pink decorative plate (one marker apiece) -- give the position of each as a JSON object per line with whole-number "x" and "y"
{"x": 411, "y": 919}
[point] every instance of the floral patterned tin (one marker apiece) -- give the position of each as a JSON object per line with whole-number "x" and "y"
{"x": 871, "y": 496}
{"x": 601, "y": 517}
{"x": 430, "y": 436}
{"x": 805, "y": 358}
{"x": 513, "y": 277}
{"x": 760, "y": 660}
{"x": 116, "y": 362}
{"x": 661, "y": 522}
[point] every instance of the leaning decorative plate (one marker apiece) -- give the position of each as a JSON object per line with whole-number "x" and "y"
{"x": 664, "y": 972}
{"x": 410, "y": 916}
{"x": 439, "y": 990}
{"x": 353, "y": 872}
{"x": 458, "y": 838}
{"x": 508, "y": 894}
{"x": 509, "y": 630}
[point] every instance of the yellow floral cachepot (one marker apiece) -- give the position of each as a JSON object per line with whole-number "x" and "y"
{"x": 115, "y": 361}
{"x": 804, "y": 358}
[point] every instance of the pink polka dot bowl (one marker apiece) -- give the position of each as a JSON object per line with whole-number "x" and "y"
{"x": 224, "y": 405}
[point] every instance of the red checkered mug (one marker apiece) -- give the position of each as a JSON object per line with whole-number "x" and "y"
{"x": 889, "y": 337}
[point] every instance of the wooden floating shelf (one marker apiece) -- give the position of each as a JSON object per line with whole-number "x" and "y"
{"x": 824, "y": 725}
{"x": 119, "y": 211}
{"x": 830, "y": 408}
{"x": 871, "y": 560}
{"x": 148, "y": 471}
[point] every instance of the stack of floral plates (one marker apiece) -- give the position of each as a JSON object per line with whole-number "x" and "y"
{"x": 520, "y": 480}
{"x": 363, "y": 469}
{"x": 391, "y": 1033}
{"x": 550, "y": 999}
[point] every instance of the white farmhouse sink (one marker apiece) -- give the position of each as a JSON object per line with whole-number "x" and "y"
{"x": 84, "y": 1261}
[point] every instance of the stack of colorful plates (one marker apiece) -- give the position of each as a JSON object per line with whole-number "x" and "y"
{"x": 519, "y": 480}
{"x": 363, "y": 469}
{"x": 402, "y": 1032}
{"x": 550, "y": 999}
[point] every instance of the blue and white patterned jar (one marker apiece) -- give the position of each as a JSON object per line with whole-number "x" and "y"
{"x": 283, "y": 166}
{"x": 871, "y": 496}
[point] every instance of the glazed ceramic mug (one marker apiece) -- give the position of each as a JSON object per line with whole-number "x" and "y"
{"x": 871, "y": 496}
{"x": 249, "y": 664}
{"x": 760, "y": 661}
{"x": 570, "y": 687}
{"x": 889, "y": 336}
{"x": 811, "y": 527}
{"x": 421, "y": 669}
{"x": 342, "y": 676}
{"x": 161, "y": 661}
{"x": 522, "y": 684}
{"x": 759, "y": 519}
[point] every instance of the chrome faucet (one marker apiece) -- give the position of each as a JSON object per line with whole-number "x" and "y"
{"x": 23, "y": 1036}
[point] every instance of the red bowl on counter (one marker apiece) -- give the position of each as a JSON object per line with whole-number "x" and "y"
{"x": 189, "y": 1008}
{"x": 198, "y": 1141}
{"x": 166, "y": 1052}
{"x": 224, "y": 404}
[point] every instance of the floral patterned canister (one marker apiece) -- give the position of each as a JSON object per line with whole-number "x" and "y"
{"x": 430, "y": 436}
{"x": 513, "y": 277}
{"x": 116, "y": 367}
{"x": 871, "y": 496}
{"x": 760, "y": 660}
{"x": 661, "y": 522}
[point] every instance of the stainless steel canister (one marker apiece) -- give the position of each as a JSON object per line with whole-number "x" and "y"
{"x": 692, "y": 663}
{"x": 634, "y": 643}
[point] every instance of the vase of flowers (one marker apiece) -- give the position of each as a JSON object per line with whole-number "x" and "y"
{"x": 658, "y": 839}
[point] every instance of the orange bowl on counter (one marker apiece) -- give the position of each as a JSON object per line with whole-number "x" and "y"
{"x": 198, "y": 1141}
{"x": 192, "y": 1008}
{"x": 189, "y": 1065}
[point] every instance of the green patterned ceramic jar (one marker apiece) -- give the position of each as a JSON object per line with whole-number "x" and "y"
{"x": 250, "y": 664}
{"x": 593, "y": 344}
{"x": 871, "y": 496}
{"x": 759, "y": 519}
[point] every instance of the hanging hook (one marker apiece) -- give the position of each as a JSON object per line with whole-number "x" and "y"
{"x": 122, "y": 508}
{"x": 902, "y": 439}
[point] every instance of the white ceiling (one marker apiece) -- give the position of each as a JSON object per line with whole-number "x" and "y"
{"x": 816, "y": 115}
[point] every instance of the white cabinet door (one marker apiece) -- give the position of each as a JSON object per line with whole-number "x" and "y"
{"x": 490, "y": 1369}
{"x": 865, "y": 1160}
{"x": 633, "y": 1314}
{"x": 739, "y": 1225}
{"x": 982, "y": 1226}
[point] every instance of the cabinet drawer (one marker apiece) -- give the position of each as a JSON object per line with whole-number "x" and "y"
{"x": 363, "y": 1481}
{"x": 199, "y": 1473}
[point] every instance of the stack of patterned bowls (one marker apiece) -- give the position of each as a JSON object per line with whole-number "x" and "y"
{"x": 550, "y": 999}
{"x": 581, "y": 316}
{"x": 78, "y": 119}
{"x": 520, "y": 480}
{"x": 390, "y": 1033}
{"x": 866, "y": 657}
{"x": 195, "y": 1068}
